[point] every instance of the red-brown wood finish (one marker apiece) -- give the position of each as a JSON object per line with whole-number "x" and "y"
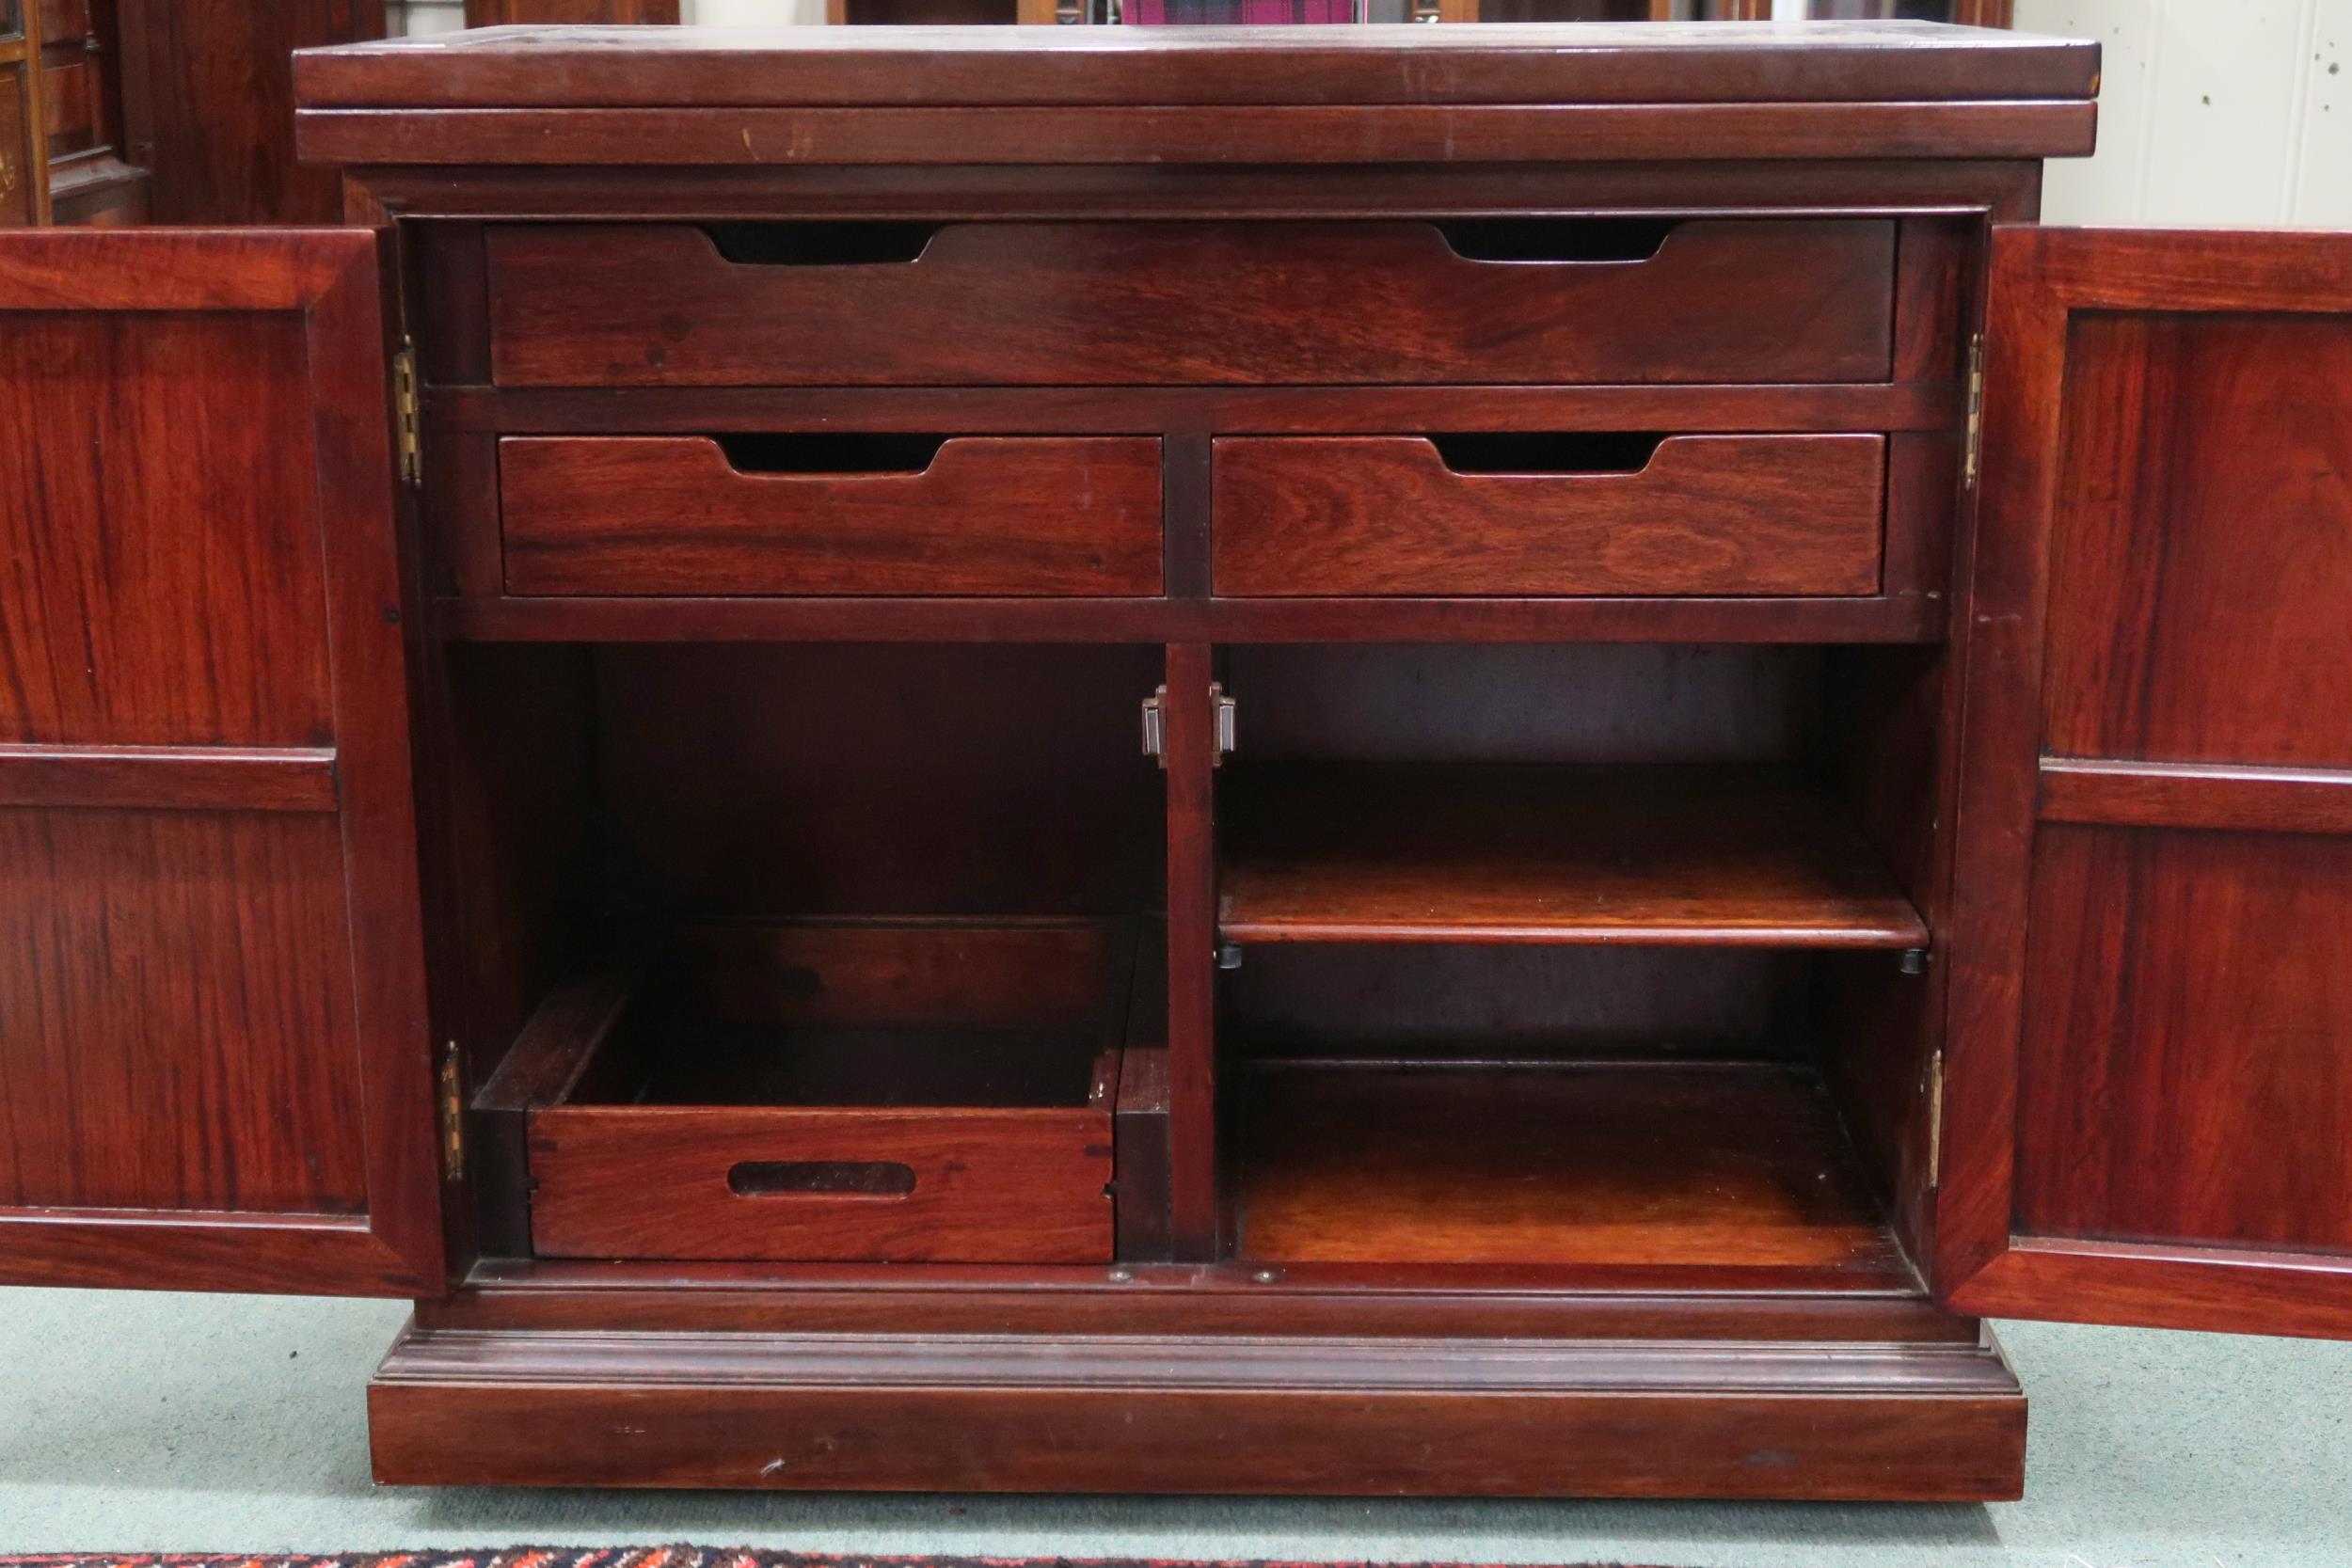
{"x": 1189, "y": 758}
{"x": 208, "y": 100}
{"x": 983, "y": 516}
{"x": 213, "y": 1070}
{"x": 1729, "y": 1165}
{"x": 1171, "y": 303}
{"x": 1470, "y": 853}
{"x": 2148, "y": 1098}
{"x": 1117, "y": 1412}
{"x": 1881, "y": 62}
{"x": 697, "y": 799}
{"x": 901, "y": 1091}
{"x": 667, "y": 1181}
{"x": 1128, "y": 135}
{"x": 1726, "y": 514}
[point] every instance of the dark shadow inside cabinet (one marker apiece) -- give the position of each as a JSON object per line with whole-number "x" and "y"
{"x": 805, "y": 952}
{"x": 1608, "y": 963}
{"x": 1605, "y": 959}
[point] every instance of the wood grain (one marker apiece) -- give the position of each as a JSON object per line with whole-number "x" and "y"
{"x": 1646, "y": 1165}
{"x": 2186, "y": 1069}
{"x": 1191, "y": 303}
{"x": 1462, "y": 853}
{"x": 1194, "y": 867}
{"x": 1594, "y": 64}
{"x": 913, "y": 779}
{"x": 970, "y": 1069}
{"x": 166, "y": 603}
{"x": 208, "y": 98}
{"x": 2153, "y": 635}
{"x": 1132, "y": 134}
{"x": 1874, "y": 618}
{"x": 653, "y": 1181}
{"x": 213, "y": 1000}
{"x": 1863, "y": 407}
{"x": 1279, "y": 1413}
{"x": 1303, "y": 517}
{"x": 649, "y": 515}
{"x": 2205, "y": 795}
{"x": 2145, "y": 1110}
{"x": 187, "y": 778}
{"x": 1349, "y": 1301}
{"x": 180, "y": 980}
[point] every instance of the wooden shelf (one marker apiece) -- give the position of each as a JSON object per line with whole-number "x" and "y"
{"x": 1698, "y": 856}
{"x": 1662, "y": 1165}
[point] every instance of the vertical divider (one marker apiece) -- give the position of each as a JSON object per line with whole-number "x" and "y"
{"x": 1190, "y": 752}
{"x": 1191, "y": 756}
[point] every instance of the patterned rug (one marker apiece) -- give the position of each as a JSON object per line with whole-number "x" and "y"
{"x": 633, "y": 1557}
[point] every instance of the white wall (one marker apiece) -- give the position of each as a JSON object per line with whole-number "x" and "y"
{"x": 2213, "y": 112}
{"x": 737, "y": 14}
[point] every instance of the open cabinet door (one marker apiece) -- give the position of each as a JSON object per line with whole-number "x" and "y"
{"x": 215, "y": 1071}
{"x": 2148, "y": 1102}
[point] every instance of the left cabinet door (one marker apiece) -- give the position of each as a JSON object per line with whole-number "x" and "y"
{"x": 214, "y": 1066}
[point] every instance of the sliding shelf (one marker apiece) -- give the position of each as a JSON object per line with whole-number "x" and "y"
{"x": 1502, "y": 853}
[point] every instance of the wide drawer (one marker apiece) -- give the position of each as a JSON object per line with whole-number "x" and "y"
{"x": 895, "y": 1091}
{"x": 1691, "y": 514}
{"x": 784, "y": 515}
{"x": 1706, "y": 300}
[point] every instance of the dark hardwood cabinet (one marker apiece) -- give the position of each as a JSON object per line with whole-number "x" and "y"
{"x": 1488, "y": 760}
{"x": 207, "y": 105}
{"x": 24, "y": 152}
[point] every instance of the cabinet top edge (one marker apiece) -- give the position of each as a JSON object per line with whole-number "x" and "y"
{"x": 1376, "y": 64}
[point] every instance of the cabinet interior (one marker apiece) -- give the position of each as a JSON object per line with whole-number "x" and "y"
{"x": 1590, "y": 956}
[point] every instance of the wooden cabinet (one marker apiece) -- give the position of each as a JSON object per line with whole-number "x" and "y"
{"x": 1433, "y": 760}
{"x": 214, "y": 1070}
{"x": 24, "y": 142}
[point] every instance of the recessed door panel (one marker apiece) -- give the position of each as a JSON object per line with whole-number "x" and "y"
{"x": 2147, "y": 1106}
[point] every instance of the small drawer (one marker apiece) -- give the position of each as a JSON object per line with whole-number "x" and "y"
{"x": 841, "y": 1091}
{"x": 884, "y": 515}
{"x": 975, "y": 304}
{"x": 1505, "y": 516}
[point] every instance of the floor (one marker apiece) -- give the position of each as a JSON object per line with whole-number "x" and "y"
{"x": 130, "y": 1421}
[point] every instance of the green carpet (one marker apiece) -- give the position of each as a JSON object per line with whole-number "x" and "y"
{"x": 191, "y": 1423}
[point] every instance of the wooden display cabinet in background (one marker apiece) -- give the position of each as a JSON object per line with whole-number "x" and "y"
{"x": 23, "y": 148}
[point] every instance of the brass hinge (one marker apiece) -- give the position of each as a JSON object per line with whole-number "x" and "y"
{"x": 404, "y": 413}
{"x": 1974, "y": 456}
{"x": 451, "y": 1102}
{"x": 1935, "y": 1121}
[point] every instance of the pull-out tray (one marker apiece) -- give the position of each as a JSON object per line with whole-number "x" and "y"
{"x": 899, "y": 1091}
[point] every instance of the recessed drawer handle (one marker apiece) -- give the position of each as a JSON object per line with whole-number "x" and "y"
{"x": 1546, "y": 452}
{"x": 821, "y": 245}
{"x": 828, "y": 454}
{"x": 1558, "y": 239}
{"x": 820, "y": 1179}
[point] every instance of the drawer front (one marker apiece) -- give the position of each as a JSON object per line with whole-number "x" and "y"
{"x": 986, "y": 516}
{"x": 1707, "y": 514}
{"x": 821, "y": 1184}
{"x": 1713, "y": 300}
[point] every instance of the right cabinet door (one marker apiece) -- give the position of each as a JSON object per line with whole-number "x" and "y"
{"x": 2148, "y": 1097}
